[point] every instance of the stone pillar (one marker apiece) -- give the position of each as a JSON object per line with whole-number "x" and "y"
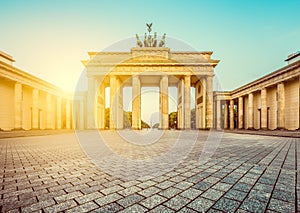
{"x": 218, "y": 114}
{"x": 180, "y": 115}
{"x": 231, "y": 114}
{"x": 119, "y": 102}
{"x": 18, "y": 105}
{"x": 49, "y": 110}
{"x": 101, "y": 107}
{"x": 58, "y": 113}
{"x": 241, "y": 113}
{"x": 264, "y": 109}
{"x": 203, "y": 82}
{"x": 226, "y": 115}
{"x": 68, "y": 114}
{"x": 209, "y": 102}
{"x": 35, "y": 109}
{"x": 91, "y": 103}
{"x": 164, "y": 103}
{"x": 136, "y": 103}
{"x": 113, "y": 105}
{"x": 280, "y": 106}
{"x": 250, "y": 111}
{"x": 187, "y": 102}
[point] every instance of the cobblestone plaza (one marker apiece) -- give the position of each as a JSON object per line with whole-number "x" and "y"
{"x": 246, "y": 173}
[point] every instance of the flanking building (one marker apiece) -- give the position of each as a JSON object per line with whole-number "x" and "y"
{"x": 27, "y": 102}
{"x": 269, "y": 103}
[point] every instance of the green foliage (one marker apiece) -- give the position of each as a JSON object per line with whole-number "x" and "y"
{"x": 173, "y": 120}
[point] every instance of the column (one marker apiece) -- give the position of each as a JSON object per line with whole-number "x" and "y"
{"x": 218, "y": 114}
{"x": 180, "y": 115}
{"x": 231, "y": 114}
{"x": 91, "y": 103}
{"x": 209, "y": 102}
{"x": 101, "y": 107}
{"x": 58, "y": 113}
{"x": 35, "y": 109}
{"x": 187, "y": 102}
{"x": 280, "y": 106}
{"x": 119, "y": 100}
{"x": 241, "y": 113}
{"x": 203, "y": 82}
{"x": 49, "y": 111}
{"x": 136, "y": 103}
{"x": 18, "y": 106}
{"x": 113, "y": 105}
{"x": 164, "y": 102}
{"x": 250, "y": 111}
{"x": 226, "y": 115}
{"x": 264, "y": 110}
{"x": 68, "y": 114}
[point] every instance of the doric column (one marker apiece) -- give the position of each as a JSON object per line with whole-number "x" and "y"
{"x": 68, "y": 114}
{"x": 35, "y": 109}
{"x": 101, "y": 107}
{"x": 203, "y": 82}
{"x": 250, "y": 111}
{"x": 264, "y": 110}
{"x": 187, "y": 102}
{"x": 226, "y": 115}
{"x": 136, "y": 103}
{"x": 58, "y": 113}
{"x": 18, "y": 106}
{"x": 113, "y": 105}
{"x": 280, "y": 106}
{"x": 231, "y": 114}
{"x": 209, "y": 102}
{"x": 164, "y": 102}
{"x": 119, "y": 102}
{"x": 180, "y": 114}
{"x": 49, "y": 110}
{"x": 218, "y": 114}
{"x": 241, "y": 113}
{"x": 91, "y": 103}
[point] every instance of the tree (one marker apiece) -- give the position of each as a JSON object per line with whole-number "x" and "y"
{"x": 173, "y": 120}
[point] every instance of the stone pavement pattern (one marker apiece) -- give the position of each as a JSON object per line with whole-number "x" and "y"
{"x": 247, "y": 173}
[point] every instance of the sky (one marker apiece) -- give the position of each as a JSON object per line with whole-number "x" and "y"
{"x": 50, "y": 38}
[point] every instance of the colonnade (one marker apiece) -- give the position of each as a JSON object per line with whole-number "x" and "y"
{"x": 96, "y": 101}
{"x": 274, "y": 106}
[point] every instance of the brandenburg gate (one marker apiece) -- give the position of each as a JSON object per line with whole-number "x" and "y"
{"x": 150, "y": 63}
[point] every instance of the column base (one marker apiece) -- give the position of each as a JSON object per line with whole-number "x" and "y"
{"x": 281, "y": 128}
{"x": 264, "y": 128}
{"x": 250, "y": 128}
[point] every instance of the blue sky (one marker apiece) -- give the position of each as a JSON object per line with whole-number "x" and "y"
{"x": 49, "y": 38}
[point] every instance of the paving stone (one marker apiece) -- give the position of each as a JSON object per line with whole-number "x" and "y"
{"x": 212, "y": 194}
{"x": 135, "y": 208}
{"x": 284, "y": 195}
{"x": 191, "y": 193}
{"x": 236, "y": 195}
{"x": 129, "y": 200}
{"x": 112, "y": 189}
{"x": 222, "y": 186}
{"x": 170, "y": 192}
{"x": 108, "y": 199}
{"x": 149, "y": 191}
{"x": 281, "y": 206}
{"x": 201, "y": 204}
{"x": 253, "y": 205}
{"x": 202, "y": 185}
{"x": 177, "y": 202}
{"x": 226, "y": 205}
{"x": 61, "y": 206}
{"x": 112, "y": 207}
{"x": 86, "y": 207}
{"x": 242, "y": 187}
{"x": 165, "y": 184}
{"x": 152, "y": 201}
{"x": 183, "y": 185}
{"x": 130, "y": 190}
{"x": 162, "y": 208}
{"x": 88, "y": 197}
